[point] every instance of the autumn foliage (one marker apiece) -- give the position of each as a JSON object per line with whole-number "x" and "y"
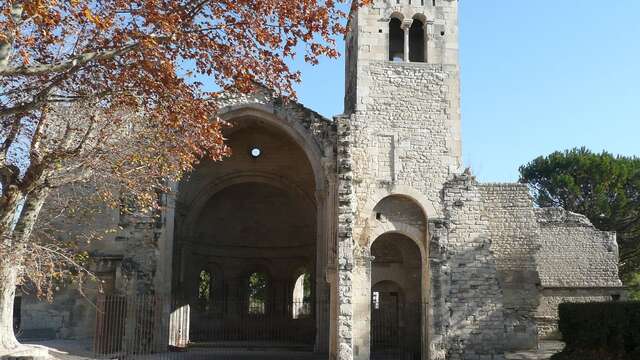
{"x": 113, "y": 92}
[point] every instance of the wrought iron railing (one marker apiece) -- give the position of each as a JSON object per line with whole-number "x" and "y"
{"x": 140, "y": 325}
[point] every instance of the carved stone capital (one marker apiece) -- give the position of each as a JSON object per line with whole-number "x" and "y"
{"x": 406, "y": 24}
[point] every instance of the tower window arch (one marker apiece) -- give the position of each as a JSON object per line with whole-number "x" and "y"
{"x": 417, "y": 41}
{"x": 396, "y": 40}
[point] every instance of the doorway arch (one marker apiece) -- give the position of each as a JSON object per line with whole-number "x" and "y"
{"x": 396, "y": 306}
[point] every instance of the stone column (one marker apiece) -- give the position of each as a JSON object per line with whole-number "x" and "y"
{"x": 164, "y": 276}
{"x": 345, "y": 264}
{"x": 406, "y": 25}
{"x": 429, "y": 47}
{"x": 325, "y": 256}
{"x": 362, "y": 303}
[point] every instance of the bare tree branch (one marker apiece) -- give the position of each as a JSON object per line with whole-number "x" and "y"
{"x": 75, "y": 62}
{"x": 10, "y": 138}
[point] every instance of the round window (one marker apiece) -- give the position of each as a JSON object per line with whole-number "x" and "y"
{"x": 255, "y": 152}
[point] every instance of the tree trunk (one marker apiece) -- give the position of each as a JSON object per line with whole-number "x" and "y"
{"x": 29, "y": 215}
{"x": 8, "y": 270}
{"x": 8, "y": 281}
{"x": 10, "y": 265}
{"x": 9, "y": 206}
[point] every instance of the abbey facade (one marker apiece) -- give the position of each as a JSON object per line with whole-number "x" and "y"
{"x": 362, "y": 233}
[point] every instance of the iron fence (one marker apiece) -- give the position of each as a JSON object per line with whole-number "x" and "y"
{"x": 242, "y": 323}
{"x": 149, "y": 327}
{"x": 396, "y": 330}
{"x": 128, "y": 327}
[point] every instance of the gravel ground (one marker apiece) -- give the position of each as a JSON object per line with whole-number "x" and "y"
{"x": 73, "y": 350}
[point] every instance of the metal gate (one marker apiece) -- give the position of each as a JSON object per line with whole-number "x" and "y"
{"x": 129, "y": 325}
{"x": 395, "y": 329}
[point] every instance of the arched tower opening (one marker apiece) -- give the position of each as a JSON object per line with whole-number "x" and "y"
{"x": 417, "y": 41}
{"x": 396, "y": 306}
{"x": 396, "y": 40}
{"x": 398, "y": 277}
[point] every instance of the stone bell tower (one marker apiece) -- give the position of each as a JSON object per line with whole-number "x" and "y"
{"x": 399, "y": 144}
{"x": 403, "y": 93}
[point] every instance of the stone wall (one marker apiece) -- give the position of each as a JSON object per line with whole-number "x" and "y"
{"x": 475, "y": 299}
{"x": 67, "y": 317}
{"x": 403, "y": 133}
{"x": 577, "y": 263}
{"x": 593, "y": 254}
{"x": 514, "y": 241}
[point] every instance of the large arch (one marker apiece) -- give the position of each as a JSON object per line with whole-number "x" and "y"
{"x": 294, "y": 173}
{"x": 292, "y": 127}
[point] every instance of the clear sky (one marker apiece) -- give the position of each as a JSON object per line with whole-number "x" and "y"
{"x": 537, "y": 76}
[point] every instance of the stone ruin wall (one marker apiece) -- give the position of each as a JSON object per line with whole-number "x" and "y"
{"x": 482, "y": 237}
{"x": 70, "y": 314}
{"x": 514, "y": 241}
{"x": 577, "y": 263}
{"x": 474, "y": 299}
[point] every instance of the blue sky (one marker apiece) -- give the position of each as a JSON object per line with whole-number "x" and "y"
{"x": 537, "y": 76}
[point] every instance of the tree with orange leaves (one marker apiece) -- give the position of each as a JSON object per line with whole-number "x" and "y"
{"x": 109, "y": 91}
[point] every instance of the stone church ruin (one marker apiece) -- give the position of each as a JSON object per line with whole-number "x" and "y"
{"x": 358, "y": 237}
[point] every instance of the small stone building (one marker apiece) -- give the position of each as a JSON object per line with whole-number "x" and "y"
{"x": 362, "y": 235}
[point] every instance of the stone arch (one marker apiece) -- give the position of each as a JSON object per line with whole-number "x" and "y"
{"x": 388, "y": 285}
{"x": 397, "y": 296}
{"x": 427, "y": 205}
{"x": 301, "y": 135}
{"x": 422, "y": 17}
{"x": 410, "y": 232}
{"x": 251, "y": 305}
{"x": 294, "y": 135}
{"x": 411, "y": 222}
{"x": 397, "y": 15}
{"x": 414, "y": 226}
{"x": 406, "y": 12}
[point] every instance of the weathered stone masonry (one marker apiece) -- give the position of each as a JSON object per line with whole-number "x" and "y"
{"x": 576, "y": 262}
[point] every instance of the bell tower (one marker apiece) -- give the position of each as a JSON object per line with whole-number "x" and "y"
{"x": 403, "y": 92}
{"x": 399, "y": 142}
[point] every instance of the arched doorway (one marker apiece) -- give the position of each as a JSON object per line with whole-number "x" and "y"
{"x": 396, "y": 306}
{"x": 254, "y": 215}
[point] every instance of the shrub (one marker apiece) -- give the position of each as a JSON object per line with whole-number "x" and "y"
{"x": 600, "y": 330}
